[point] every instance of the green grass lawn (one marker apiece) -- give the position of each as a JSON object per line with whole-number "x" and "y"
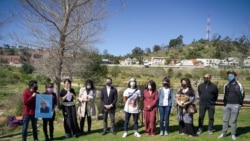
{"x": 242, "y": 131}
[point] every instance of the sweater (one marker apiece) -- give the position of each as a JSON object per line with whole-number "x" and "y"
{"x": 29, "y": 103}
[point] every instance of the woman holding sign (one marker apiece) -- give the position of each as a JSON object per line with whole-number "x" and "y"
{"x": 69, "y": 110}
{"x": 49, "y": 90}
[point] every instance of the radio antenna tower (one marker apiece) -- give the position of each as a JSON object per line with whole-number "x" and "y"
{"x": 208, "y": 28}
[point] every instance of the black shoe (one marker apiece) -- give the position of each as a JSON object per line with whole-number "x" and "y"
{"x": 104, "y": 133}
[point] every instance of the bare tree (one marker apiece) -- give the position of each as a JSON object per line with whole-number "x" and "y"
{"x": 63, "y": 29}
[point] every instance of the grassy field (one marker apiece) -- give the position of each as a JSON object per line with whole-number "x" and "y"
{"x": 10, "y": 95}
{"x": 242, "y": 131}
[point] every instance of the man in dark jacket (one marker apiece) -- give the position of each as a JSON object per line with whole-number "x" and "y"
{"x": 108, "y": 102}
{"x": 29, "y": 102}
{"x": 233, "y": 100}
{"x": 208, "y": 93}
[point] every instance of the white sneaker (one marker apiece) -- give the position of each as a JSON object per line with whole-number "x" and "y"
{"x": 125, "y": 134}
{"x": 137, "y": 135}
{"x": 165, "y": 133}
{"x": 221, "y": 136}
{"x": 161, "y": 133}
{"x": 234, "y": 138}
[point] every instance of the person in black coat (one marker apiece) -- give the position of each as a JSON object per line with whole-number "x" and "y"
{"x": 108, "y": 103}
{"x": 208, "y": 93}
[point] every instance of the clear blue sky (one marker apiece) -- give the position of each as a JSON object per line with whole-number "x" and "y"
{"x": 145, "y": 23}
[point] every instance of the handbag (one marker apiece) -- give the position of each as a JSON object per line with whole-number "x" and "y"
{"x": 192, "y": 109}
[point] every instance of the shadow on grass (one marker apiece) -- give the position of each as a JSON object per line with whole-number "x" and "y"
{"x": 15, "y": 135}
{"x": 243, "y": 130}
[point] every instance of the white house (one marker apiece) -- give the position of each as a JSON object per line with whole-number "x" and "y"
{"x": 209, "y": 62}
{"x": 158, "y": 60}
{"x": 246, "y": 62}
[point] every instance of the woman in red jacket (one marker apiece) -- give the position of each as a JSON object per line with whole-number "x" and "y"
{"x": 150, "y": 98}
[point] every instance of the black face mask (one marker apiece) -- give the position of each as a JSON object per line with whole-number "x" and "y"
{"x": 35, "y": 88}
{"x": 164, "y": 84}
{"x": 184, "y": 85}
{"x": 206, "y": 80}
{"x": 108, "y": 83}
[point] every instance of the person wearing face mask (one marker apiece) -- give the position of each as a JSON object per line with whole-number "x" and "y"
{"x": 108, "y": 102}
{"x": 86, "y": 106}
{"x": 68, "y": 96}
{"x": 208, "y": 94}
{"x": 233, "y": 100}
{"x": 131, "y": 98}
{"x": 29, "y": 104}
{"x": 165, "y": 105}
{"x": 150, "y": 98}
{"x": 185, "y": 118}
{"x": 49, "y": 89}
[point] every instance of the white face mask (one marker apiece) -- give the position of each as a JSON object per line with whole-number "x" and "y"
{"x": 132, "y": 84}
{"x": 88, "y": 87}
{"x": 149, "y": 87}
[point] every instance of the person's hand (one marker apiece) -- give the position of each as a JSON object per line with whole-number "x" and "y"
{"x": 148, "y": 107}
{"x": 34, "y": 94}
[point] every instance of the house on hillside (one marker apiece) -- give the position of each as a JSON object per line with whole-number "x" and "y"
{"x": 186, "y": 63}
{"x": 209, "y": 62}
{"x": 230, "y": 61}
{"x": 129, "y": 61}
{"x": 158, "y": 60}
{"x": 246, "y": 62}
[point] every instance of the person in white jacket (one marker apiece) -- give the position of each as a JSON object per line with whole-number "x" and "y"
{"x": 86, "y": 106}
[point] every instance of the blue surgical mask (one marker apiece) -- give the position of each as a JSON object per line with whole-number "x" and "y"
{"x": 230, "y": 78}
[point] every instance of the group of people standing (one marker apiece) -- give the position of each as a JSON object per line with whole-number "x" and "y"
{"x": 162, "y": 100}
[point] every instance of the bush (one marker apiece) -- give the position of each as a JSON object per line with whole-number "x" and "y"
{"x": 188, "y": 75}
{"x": 248, "y": 78}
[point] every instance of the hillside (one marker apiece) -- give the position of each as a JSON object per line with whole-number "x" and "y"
{"x": 218, "y": 49}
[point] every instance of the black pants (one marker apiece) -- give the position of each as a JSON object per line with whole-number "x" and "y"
{"x": 82, "y": 121}
{"x": 111, "y": 114}
{"x": 51, "y": 127}
{"x": 202, "y": 112}
{"x": 70, "y": 120}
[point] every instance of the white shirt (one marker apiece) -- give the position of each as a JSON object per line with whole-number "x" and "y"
{"x": 132, "y": 105}
{"x": 108, "y": 90}
{"x": 166, "y": 95}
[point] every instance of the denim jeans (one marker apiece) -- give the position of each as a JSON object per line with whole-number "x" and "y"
{"x": 164, "y": 115}
{"x": 127, "y": 117}
{"x": 26, "y": 120}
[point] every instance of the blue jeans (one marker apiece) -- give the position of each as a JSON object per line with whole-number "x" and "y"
{"x": 26, "y": 120}
{"x": 164, "y": 115}
{"x": 127, "y": 117}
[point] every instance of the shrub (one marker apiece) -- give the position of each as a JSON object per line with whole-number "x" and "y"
{"x": 248, "y": 78}
{"x": 188, "y": 75}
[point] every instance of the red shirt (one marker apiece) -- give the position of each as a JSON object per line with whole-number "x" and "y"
{"x": 29, "y": 103}
{"x": 150, "y": 100}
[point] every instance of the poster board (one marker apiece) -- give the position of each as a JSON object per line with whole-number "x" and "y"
{"x": 43, "y": 106}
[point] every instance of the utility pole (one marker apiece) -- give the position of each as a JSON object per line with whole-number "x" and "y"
{"x": 208, "y": 28}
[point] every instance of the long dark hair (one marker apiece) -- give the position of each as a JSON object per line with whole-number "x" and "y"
{"x": 187, "y": 80}
{"x": 89, "y": 81}
{"x": 153, "y": 85}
